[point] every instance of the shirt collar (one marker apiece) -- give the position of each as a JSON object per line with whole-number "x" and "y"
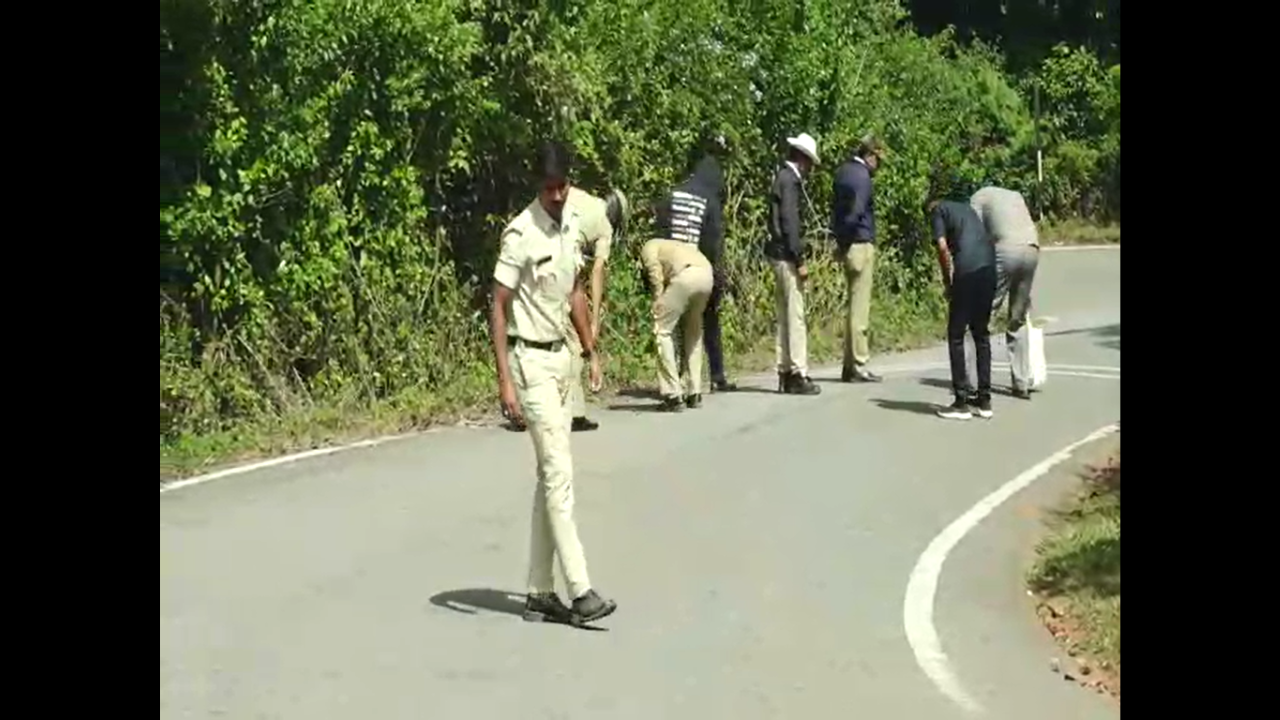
{"x": 795, "y": 169}
{"x": 864, "y": 162}
{"x": 547, "y": 222}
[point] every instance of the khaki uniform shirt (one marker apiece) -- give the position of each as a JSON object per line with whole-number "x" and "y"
{"x": 664, "y": 259}
{"x": 595, "y": 236}
{"x": 1006, "y": 216}
{"x": 539, "y": 260}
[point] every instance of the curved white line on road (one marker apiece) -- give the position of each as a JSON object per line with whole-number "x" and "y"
{"x": 922, "y": 587}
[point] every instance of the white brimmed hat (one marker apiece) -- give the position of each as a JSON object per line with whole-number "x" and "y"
{"x": 805, "y": 144}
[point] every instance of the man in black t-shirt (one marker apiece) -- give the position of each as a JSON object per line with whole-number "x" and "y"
{"x": 967, "y": 257}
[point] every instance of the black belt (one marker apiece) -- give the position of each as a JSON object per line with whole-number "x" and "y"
{"x": 553, "y": 346}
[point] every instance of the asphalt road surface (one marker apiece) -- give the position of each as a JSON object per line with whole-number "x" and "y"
{"x": 759, "y": 549}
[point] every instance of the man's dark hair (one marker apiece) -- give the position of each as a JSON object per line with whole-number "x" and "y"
{"x": 555, "y": 161}
{"x": 868, "y": 145}
{"x": 941, "y": 183}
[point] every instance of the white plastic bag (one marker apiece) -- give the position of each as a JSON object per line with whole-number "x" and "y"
{"x": 1037, "y": 368}
{"x": 1028, "y": 360}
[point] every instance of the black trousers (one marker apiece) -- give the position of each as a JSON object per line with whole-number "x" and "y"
{"x": 971, "y": 298}
{"x": 711, "y": 328}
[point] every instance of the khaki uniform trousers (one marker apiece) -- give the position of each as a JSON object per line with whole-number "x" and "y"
{"x": 859, "y": 263}
{"x": 541, "y": 378}
{"x": 791, "y": 343}
{"x": 681, "y": 307}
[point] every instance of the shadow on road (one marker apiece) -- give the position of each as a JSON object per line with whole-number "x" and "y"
{"x": 634, "y": 407}
{"x": 752, "y": 389}
{"x": 470, "y": 600}
{"x": 945, "y": 384}
{"x": 912, "y": 406}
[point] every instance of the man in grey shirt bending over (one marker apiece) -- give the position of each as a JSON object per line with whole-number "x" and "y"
{"x": 1008, "y": 221}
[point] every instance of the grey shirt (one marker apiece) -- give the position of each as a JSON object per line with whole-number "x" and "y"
{"x": 1005, "y": 214}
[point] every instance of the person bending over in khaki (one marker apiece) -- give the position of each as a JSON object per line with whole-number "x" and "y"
{"x": 681, "y": 280}
{"x": 603, "y": 222}
{"x": 537, "y": 284}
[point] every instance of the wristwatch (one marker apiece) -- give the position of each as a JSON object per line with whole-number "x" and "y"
{"x": 586, "y": 354}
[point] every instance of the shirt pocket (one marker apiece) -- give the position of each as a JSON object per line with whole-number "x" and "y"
{"x": 551, "y": 280}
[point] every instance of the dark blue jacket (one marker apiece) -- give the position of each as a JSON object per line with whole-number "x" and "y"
{"x": 786, "y": 241}
{"x": 853, "y": 205}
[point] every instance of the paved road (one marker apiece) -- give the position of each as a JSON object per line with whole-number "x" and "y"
{"x": 759, "y": 549}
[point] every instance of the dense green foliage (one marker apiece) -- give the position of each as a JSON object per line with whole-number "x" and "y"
{"x": 1027, "y": 30}
{"x": 334, "y": 173}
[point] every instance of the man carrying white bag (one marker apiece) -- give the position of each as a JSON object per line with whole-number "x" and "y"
{"x": 1008, "y": 221}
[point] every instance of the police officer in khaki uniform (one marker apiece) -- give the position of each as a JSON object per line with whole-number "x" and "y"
{"x": 537, "y": 284}
{"x": 601, "y": 222}
{"x": 681, "y": 279}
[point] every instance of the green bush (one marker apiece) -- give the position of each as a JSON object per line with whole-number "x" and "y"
{"x": 334, "y": 174}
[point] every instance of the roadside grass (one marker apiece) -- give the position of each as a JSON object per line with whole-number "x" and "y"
{"x": 1079, "y": 232}
{"x": 1076, "y": 575}
{"x": 473, "y": 400}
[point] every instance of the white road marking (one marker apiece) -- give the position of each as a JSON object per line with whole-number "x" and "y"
{"x": 1072, "y": 373}
{"x": 922, "y": 587}
{"x": 263, "y": 464}
{"x": 1054, "y": 369}
{"x": 1077, "y": 248}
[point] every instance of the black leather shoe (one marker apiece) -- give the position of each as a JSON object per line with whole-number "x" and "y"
{"x": 800, "y": 385}
{"x": 582, "y": 424}
{"x": 723, "y": 386}
{"x": 806, "y": 386}
{"x": 848, "y": 375}
{"x": 693, "y": 401}
{"x": 541, "y": 607}
{"x": 671, "y": 404}
{"x": 591, "y": 607}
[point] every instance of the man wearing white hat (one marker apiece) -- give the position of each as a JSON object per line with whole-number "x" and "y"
{"x": 785, "y": 250}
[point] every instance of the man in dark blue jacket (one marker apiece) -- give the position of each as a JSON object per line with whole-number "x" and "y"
{"x": 693, "y": 213}
{"x": 853, "y": 223}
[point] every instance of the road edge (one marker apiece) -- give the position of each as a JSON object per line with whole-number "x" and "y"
{"x": 922, "y": 584}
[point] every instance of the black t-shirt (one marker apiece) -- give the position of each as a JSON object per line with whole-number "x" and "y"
{"x": 967, "y": 239}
